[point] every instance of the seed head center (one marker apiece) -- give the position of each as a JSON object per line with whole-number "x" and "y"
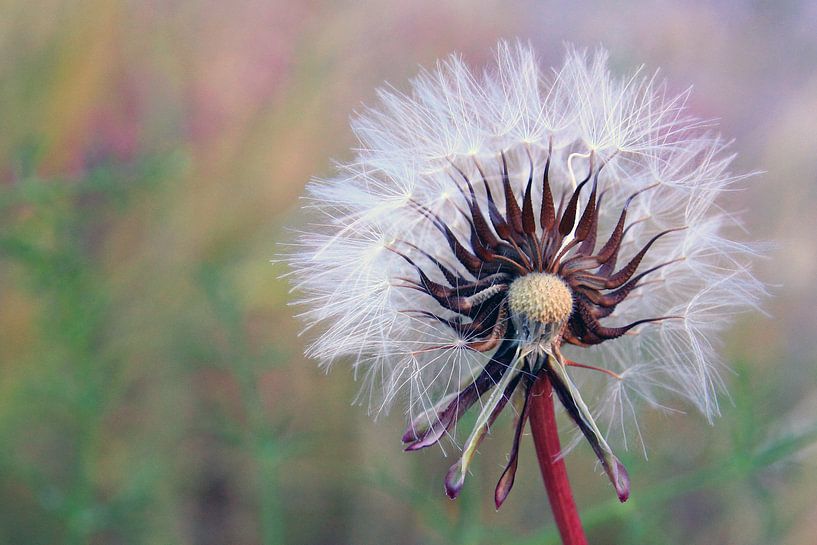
{"x": 541, "y": 297}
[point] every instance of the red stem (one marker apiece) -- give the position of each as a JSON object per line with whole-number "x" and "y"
{"x": 546, "y": 439}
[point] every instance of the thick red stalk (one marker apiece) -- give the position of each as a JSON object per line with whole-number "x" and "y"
{"x": 546, "y": 439}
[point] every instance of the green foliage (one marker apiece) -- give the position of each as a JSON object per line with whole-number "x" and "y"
{"x": 70, "y": 384}
{"x": 79, "y": 463}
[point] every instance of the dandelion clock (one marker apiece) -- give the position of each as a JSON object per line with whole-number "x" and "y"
{"x": 517, "y": 240}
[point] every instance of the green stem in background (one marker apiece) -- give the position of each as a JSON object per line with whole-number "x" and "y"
{"x": 259, "y": 436}
{"x": 546, "y": 440}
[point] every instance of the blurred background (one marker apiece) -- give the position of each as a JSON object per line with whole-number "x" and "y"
{"x": 152, "y": 383}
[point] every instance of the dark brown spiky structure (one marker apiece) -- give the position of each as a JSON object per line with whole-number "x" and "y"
{"x": 504, "y": 246}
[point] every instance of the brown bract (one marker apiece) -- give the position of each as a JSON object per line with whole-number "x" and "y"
{"x": 508, "y": 245}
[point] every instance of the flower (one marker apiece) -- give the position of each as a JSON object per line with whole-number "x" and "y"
{"x": 496, "y": 227}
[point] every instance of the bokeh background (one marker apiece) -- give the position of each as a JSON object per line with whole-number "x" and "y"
{"x": 152, "y": 383}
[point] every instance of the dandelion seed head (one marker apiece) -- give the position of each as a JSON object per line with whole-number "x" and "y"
{"x": 585, "y": 201}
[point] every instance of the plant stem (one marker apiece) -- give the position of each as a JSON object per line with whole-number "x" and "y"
{"x": 546, "y": 439}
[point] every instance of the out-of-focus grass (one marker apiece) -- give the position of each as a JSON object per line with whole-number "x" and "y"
{"x": 152, "y": 387}
{"x": 267, "y": 442}
{"x": 80, "y": 465}
{"x": 63, "y": 397}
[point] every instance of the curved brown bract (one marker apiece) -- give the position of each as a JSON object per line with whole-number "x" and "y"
{"x": 505, "y": 244}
